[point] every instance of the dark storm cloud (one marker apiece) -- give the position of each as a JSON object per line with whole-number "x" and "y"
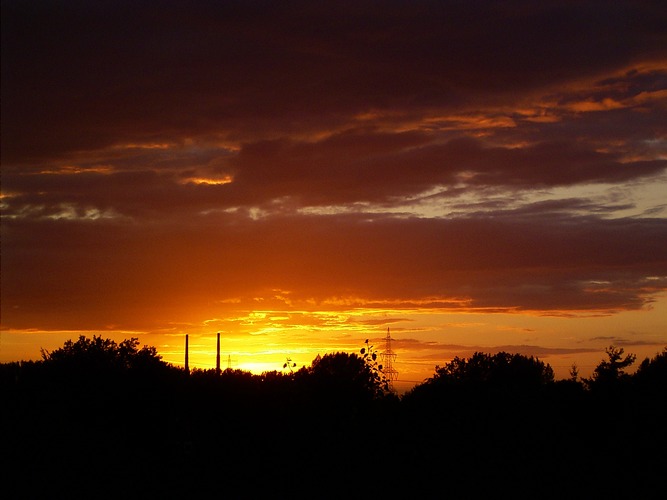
{"x": 80, "y": 75}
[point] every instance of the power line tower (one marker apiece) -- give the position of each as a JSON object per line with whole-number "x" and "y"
{"x": 388, "y": 358}
{"x": 230, "y": 363}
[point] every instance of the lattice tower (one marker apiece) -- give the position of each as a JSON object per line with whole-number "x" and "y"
{"x": 388, "y": 358}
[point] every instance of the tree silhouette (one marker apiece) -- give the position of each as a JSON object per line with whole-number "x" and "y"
{"x": 380, "y": 380}
{"x": 98, "y": 354}
{"x": 651, "y": 374}
{"x": 485, "y": 382}
{"x": 344, "y": 376}
{"x": 611, "y": 373}
{"x": 90, "y": 398}
{"x": 498, "y": 371}
{"x": 289, "y": 365}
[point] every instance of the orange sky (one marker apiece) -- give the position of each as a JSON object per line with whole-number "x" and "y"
{"x": 301, "y": 177}
{"x": 262, "y": 339}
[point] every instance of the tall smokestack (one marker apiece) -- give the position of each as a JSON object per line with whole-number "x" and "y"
{"x": 187, "y": 365}
{"x": 217, "y": 357}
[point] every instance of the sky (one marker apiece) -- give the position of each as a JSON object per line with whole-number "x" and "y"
{"x": 300, "y": 176}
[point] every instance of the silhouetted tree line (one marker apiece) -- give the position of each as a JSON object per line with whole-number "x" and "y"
{"x": 97, "y": 418}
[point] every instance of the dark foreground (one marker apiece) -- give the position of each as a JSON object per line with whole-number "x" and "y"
{"x": 233, "y": 435}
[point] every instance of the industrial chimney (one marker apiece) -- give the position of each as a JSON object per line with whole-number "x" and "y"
{"x": 187, "y": 365}
{"x": 217, "y": 357}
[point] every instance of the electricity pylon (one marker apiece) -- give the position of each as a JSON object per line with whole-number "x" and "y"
{"x": 388, "y": 358}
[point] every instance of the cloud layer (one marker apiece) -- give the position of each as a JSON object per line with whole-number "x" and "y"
{"x": 160, "y": 164}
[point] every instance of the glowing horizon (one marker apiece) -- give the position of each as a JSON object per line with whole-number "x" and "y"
{"x": 262, "y": 340}
{"x": 228, "y": 168}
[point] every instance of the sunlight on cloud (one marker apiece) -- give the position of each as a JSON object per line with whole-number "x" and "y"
{"x": 146, "y": 145}
{"x": 209, "y": 181}
{"x": 71, "y": 212}
{"x": 641, "y": 198}
{"x": 76, "y": 169}
{"x": 590, "y": 105}
{"x": 469, "y": 122}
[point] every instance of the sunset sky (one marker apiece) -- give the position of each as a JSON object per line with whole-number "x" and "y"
{"x": 301, "y": 176}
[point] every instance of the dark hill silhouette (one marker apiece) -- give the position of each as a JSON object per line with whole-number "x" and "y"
{"x": 100, "y": 419}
